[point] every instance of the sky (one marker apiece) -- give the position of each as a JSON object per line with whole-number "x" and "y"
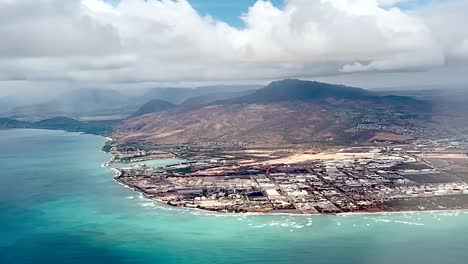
{"x": 54, "y": 45}
{"x": 227, "y": 10}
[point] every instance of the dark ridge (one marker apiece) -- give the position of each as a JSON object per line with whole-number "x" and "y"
{"x": 154, "y": 106}
{"x": 213, "y": 97}
{"x": 58, "y": 121}
{"x": 179, "y": 95}
{"x": 12, "y": 123}
{"x": 298, "y": 90}
{"x": 63, "y": 123}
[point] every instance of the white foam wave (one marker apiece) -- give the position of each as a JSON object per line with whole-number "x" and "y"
{"x": 149, "y": 204}
{"x": 408, "y": 223}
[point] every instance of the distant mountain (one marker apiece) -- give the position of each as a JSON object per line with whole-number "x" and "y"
{"x": 63, "y": 123}
{"x": 172, "y": 95}
{"x": 12, "y": 123}
{"x": 298, "y": 90}
{"x": 179, "y": 95}
{"x": 102, "y": 102}
{"x": 58, "y": 123}
{"x": 213, "y": 98}
{"x": 288, "y": 111}
{"x": 81, "y": 102}
{"x": 154, "y": 106}
{"x": 448, "y": 102}
{"x": 294, "y": 90}
{"x": 228, "y": 88}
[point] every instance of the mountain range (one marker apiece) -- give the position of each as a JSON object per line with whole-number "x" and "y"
{"x": 63, "y": 123}
{"x": 104, "y": 102}
{"x": 283, "y": 112}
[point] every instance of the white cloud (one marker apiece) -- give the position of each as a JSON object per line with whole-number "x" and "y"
{"x": 387, "y": 3}
{"x": 462, "y": 49}
{"x": 415, "y": 60}
{"x": 168, "y": 41}
{"x": 447, "y": 21}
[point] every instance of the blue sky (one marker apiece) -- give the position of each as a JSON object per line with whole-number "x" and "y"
{"x": 226, "y": 10}
{"x": 411, "y": 4}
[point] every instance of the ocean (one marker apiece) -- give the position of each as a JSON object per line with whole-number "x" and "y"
{"x": 58, "y": 205}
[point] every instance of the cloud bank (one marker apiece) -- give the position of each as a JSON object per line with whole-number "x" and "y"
{"x": 168, "y": 41}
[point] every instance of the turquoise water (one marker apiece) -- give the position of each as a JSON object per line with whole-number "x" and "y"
{"x": 58, "y": 205}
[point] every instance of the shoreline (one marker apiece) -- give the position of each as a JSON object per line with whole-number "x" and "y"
{"x": 118, "y": 173}
{"x": 107, "y": 163}
{"x": 218, "y": 213}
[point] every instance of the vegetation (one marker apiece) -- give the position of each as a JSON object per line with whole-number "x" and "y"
{"x": 64, "y": 123}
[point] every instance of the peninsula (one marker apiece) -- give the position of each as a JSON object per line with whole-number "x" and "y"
{"x": 305, "y": 180}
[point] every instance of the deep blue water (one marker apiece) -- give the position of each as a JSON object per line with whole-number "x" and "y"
{"x": 58, "y": 205}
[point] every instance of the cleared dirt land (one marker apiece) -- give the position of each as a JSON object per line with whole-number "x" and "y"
{"x": 428, "y": 203}
{"x": 453, "y": 164}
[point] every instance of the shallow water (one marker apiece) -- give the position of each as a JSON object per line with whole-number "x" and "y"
{"x": 58, "y": 205}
